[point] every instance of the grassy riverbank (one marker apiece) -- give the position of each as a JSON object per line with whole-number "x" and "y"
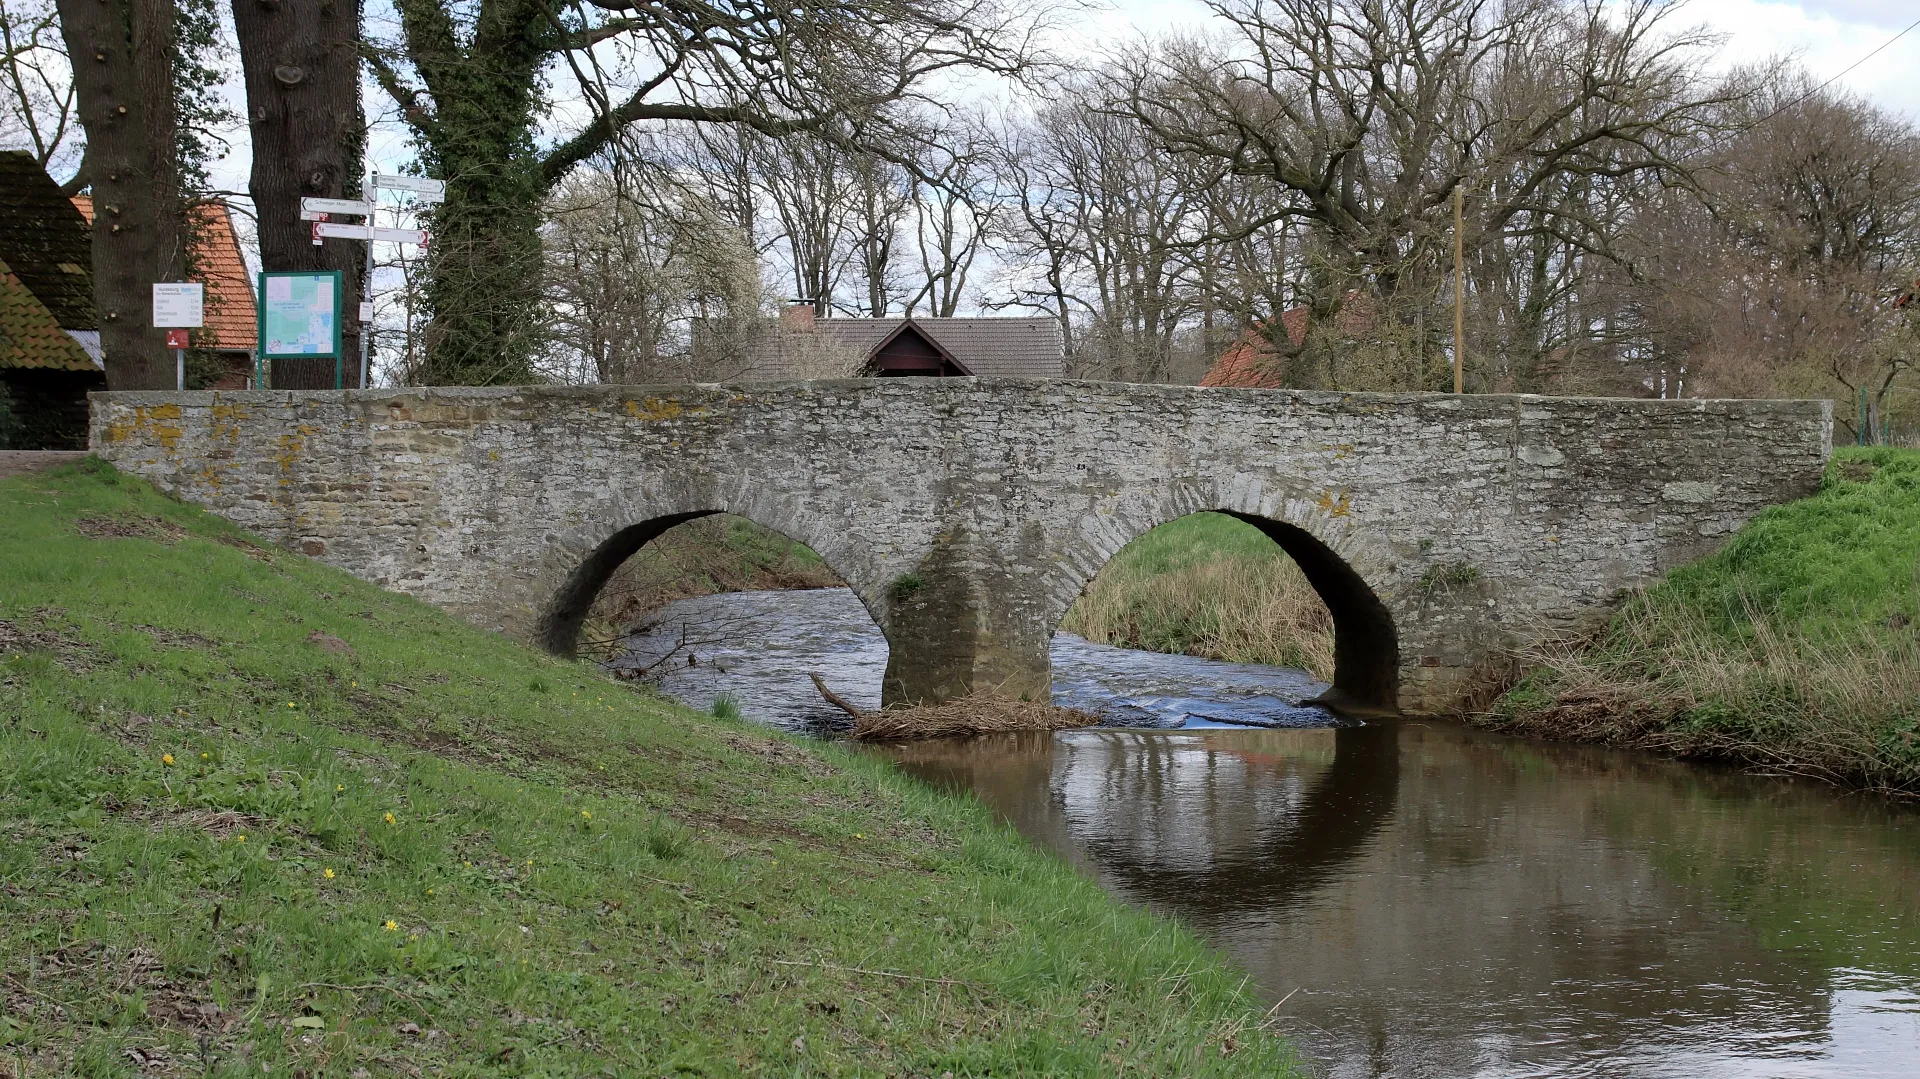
{"x": 256, "y": 812}
{"x": 1208, "y": 585}
{"x": 1796, "y": 647}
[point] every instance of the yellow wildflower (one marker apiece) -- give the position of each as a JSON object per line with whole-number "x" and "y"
{"x": 391, "y": 925}
{"x": 241, "y": 838}
{"x": 327, "y": 873}
{"x": 429, "y": 891}
{"x": 390, "y": 819}
{"x": 338, "y": 787}
{"x": 166, "y": 758}
{"x": 586, "y": 814}
{"x": 206, "y": 756}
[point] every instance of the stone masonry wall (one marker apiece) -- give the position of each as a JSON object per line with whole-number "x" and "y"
{"x": 969, "y": 513}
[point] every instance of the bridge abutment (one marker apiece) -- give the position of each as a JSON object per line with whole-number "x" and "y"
{"x": 954, "y": 629}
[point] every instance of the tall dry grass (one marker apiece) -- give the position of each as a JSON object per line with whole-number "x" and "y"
{"x": 1841, "y": 705}
{"x": 1231, "y": 607}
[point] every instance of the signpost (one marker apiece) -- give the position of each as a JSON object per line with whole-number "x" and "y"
{"x": 330, "y": 230}
{"x": 320, "y": 211}
{"x": 422, "y": 188}
{"x": 317, "y": 209}
{"x": 179, "y": 306}
{"x": 300, "y": 317}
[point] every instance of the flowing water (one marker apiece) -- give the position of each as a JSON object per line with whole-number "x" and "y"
{"x": 1421, "y": 899}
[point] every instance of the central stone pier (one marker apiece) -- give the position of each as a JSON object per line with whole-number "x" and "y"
{"x": 968, "y": 514}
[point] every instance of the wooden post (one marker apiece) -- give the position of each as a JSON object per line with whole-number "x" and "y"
{"x": 1459, "y": 290}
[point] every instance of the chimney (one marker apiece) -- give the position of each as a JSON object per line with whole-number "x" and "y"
{"x": 797, "y": 317}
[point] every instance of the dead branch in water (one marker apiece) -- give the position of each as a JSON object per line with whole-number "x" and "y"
{"x": 976, "y": 713}
{"x": 836, "y": 699}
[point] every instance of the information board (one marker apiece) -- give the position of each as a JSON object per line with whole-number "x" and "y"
{"x": 299, "y": 314}
{"x": 179, "y": 304}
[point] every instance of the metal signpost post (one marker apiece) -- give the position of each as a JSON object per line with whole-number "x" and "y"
{"x": 179, "y": 306}
{"x": 319, "y": 210}
{"x": 300, "y": 317}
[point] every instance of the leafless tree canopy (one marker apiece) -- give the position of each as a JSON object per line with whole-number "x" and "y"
{"x": 1277, "y": 182}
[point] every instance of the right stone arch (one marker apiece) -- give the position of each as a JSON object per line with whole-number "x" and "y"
{"x": 1366, "y": 646}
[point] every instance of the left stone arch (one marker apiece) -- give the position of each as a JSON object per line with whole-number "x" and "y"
{"x": 581, "y": 560}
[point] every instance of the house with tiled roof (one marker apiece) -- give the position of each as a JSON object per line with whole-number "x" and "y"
{"x": 231, "y": 330}
{"x": 799, "y": 345}
{"x": 49, "y": 330}
{"x": 1252, "y": 362}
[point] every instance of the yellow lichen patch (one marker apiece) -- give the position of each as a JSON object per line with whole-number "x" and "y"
{"x": 290, "y": 447}
{"x": 169, "y": 434}
{"x": 1340, "y": 450}
{"x": 226, "y": 419}
{"x": 119, "y": 430}
{"x": 655, "y": 408}
{"x": 1335, "y": 505}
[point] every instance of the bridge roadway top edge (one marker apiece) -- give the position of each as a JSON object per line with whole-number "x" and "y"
{"x": 962, "y": 388}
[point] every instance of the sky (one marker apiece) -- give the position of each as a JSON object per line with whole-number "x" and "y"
{"x": 1826, "y": 35}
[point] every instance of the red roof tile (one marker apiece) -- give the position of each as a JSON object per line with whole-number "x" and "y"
{"x": 230, "y": 317}
{"x": 1251, "y": 363}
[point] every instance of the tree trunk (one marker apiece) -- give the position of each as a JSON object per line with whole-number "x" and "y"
{"x": 302, "y": 72}
{"x": 122, "y": 52}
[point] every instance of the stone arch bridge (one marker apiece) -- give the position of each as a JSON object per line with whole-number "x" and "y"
{"x": 968, "y": 514}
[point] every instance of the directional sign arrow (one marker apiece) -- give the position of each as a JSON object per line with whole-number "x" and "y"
{"x": 336, "y": 231}
{"x": 428, "y": 190}
{"x": 317, "y": 209}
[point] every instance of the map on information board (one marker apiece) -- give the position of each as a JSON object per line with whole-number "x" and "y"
{"x": 299, "y": 314}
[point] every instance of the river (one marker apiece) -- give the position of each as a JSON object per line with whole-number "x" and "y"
{"x": 1419, "y": 899}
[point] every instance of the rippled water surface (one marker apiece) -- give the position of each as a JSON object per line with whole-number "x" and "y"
{"x": 1424, "y": 899}
{"x": 759, "y": 647}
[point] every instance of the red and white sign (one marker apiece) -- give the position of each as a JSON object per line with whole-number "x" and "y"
{"x": 176, "y": 339}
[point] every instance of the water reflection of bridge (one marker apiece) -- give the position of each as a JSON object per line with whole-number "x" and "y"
{"x": 1451, "y": 903}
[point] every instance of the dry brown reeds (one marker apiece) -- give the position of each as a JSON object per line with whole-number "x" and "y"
{"x": 1840, "y": 706}
{"x": 1228, "y": 607}
{"x": 977, "y": 713}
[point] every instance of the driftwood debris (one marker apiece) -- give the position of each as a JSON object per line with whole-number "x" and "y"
{"x": 977, "y": 713}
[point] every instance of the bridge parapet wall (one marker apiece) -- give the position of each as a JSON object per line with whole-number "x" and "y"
{"x": 969, "y": 513}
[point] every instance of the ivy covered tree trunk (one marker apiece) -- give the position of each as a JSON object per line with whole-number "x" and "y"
{"x": 477, "y": 134}
{"x": 484, "y": 263}
{"x": 123, "y": 72}
{"x": 301, "y": 61}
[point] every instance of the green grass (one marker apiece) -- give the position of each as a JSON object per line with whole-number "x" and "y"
{"x": 1193, "y": 540}
{"x": 1826, "y": 565}
{"x": 1797, "y": 646}
{"x": 387, "y": 841}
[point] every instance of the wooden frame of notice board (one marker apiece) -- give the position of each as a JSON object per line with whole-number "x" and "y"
{"x": 288, "y": 305}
